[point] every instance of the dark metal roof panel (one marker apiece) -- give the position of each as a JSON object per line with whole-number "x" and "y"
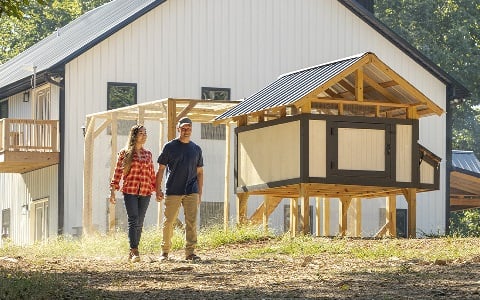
{"x": 290, "y": 87}
{"x": 465, "y": 160}
{"x": 74, "y": 38}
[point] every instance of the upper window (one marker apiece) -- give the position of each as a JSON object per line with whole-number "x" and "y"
{"x": 3, "y": 108}
{"x": 209, "y": 131}
{"x": 120, "y": 95}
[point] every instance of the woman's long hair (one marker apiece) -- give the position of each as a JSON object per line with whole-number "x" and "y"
{"x": 130, "y": 148}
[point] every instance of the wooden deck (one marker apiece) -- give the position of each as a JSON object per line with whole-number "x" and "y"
{"x": 27, "y": 145}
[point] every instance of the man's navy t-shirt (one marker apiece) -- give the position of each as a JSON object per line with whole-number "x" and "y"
{"x": 182, "y": 160}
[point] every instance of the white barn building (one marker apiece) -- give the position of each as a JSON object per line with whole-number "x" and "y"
{"x": 148, "y": 50}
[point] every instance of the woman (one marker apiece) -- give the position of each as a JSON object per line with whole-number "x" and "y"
{"x": 135, "y": 168}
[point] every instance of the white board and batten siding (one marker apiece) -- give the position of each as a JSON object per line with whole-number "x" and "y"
{"x": 28, "y": 189}
{"x": 183, "y": 45}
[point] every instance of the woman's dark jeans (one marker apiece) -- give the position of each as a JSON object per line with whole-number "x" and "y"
{"x": 136, "y": 207}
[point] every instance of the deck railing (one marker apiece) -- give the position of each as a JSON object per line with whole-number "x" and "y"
{"x": 29, "y": 135}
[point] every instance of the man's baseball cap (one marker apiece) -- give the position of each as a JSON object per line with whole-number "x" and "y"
{"x": 184, "y": 121}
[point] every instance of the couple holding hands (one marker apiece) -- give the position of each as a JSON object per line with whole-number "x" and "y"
{"x": 182, "y": 161}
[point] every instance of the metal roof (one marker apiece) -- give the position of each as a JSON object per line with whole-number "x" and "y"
{"x": 73, "y": 39}
{"x": 466, "y": 161}
{"x": 333, "y": 82}
{"x": 94, "y": 26}
{"x": 290, "y": 87}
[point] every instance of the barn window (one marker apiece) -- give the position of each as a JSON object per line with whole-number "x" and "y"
{"x": 121, "y": 95}
{"x": 209, "y": 131}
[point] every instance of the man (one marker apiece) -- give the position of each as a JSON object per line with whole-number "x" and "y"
{"x": 183, "y": 161}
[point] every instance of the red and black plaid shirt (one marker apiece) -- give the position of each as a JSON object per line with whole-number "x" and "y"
{"x": 141, "y": 178}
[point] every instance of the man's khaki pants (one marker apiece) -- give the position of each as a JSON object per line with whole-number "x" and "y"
{"x": 190, "y": 209}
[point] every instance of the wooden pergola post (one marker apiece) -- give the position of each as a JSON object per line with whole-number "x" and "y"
{"x": 357, "y": 205}
{"x": 226, "y": 200}
{"x": 87, "y": 176}
{"x": 113, "y": 161}
{"x": 266, "y": 204}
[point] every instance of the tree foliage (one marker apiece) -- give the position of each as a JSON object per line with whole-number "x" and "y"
{"x": 14, "y": 8}
{"x": 448, "y": 32}
{"x": 38, "y": 21}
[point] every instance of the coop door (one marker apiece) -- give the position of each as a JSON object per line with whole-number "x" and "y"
{"x": 359, "y": 150}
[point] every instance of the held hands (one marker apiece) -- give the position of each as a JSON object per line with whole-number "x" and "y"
{"x": 160, "y": 196}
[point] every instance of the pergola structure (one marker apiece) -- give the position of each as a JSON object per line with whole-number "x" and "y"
{"x": 167, "y": 112}
{"x": 464, "y": 181}
{"x": 301, "y": 112}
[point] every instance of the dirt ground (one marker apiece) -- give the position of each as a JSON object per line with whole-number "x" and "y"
{"x": 222, "y": 275}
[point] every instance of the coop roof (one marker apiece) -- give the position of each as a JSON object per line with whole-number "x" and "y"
{"x": 361, "y": 80}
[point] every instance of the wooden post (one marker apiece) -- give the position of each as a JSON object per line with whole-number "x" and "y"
{"x": 357, "y": 203}
{"x": 226, "y": 200}
{"x": 343, "y": 213}
{"x": 113, "y": 161}
{"x": 293, "y": 216}
{"x": 305, "y": 213}
{"x": 242, "y": 199}
{"x": 326, "y": 217}
{"x": 161, "y": 142}
{"x": 318, "y": 203}
{"x": 391, "y": 215}
{"x": 172, "y": 119}
{"x": 266, "y": 200}
{"x": 87, "y": 176}
{"x": 411, "y": 196}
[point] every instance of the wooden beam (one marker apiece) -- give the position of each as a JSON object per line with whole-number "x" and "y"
{"x": 113, "y": 162}
{"x": 411, "y": 197}
{"x": 266, "y": 200}
{"x": 242, "y": 199}
{"x": 172, "y": 119}
{"x": 226, "y": 183}
{"x": 359, "y": 85}
{"x": 273, "y": 202}
{"x": 293, "y": 216}
{"x": 88, "y": 176}
{"x": 380, "y": 89}
{"x": 305, "y": 213}
{"x": 357, "y": 202}
{"x": 161, "y": 142}
{"x": 391, "y": 215}
{"x": 406, "y": 85}
{"x": 343, "y": 215}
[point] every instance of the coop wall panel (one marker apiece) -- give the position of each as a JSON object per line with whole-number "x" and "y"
{"x": 317, "y": 148}
{"x": 269, "y": 154}
{"x": 404, "y": 153}
{"x": 361, "y": 149}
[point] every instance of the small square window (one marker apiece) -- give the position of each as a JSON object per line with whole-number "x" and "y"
{"x": 209, "y": 131}
{"x": 121, "y": 95}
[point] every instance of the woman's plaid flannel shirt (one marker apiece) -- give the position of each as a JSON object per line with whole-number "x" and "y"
{"x": 141, "y": 178}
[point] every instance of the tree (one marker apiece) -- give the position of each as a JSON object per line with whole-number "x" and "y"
{"x": 37, "y": 22}
{"x": 448, "y": 32}
{"x": 14, "y": 8}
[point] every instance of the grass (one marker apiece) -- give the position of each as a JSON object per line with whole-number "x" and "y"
{"x": 22, "y": 284}
{"x": 116, "y": 245}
